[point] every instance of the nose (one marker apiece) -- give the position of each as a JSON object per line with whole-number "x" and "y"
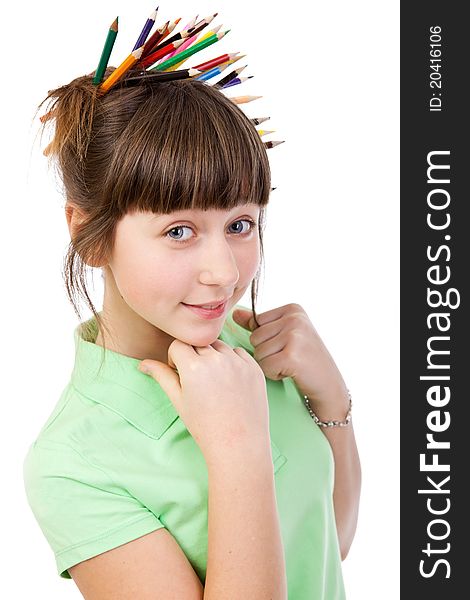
{"x": 218, "y": 265}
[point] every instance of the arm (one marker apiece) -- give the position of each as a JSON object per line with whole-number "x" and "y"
{"x": 347, "y": 486}
{"x": 245, "y": 553}
{"x": 286, "y": 344}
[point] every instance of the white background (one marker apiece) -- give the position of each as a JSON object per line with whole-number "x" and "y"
{"x": 328, "y": 73}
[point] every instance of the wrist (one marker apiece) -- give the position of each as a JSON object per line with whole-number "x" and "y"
{"x": 332, "y": 414}
{"x": 257, "y": 453}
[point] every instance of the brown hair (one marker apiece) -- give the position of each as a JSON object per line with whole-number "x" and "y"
{"x": 157, "y": 147}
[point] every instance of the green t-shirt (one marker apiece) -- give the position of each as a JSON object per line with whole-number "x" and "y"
{"x": 114, "y": 462}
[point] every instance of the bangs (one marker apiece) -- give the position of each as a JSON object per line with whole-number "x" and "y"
{"x": 186, "y": 146}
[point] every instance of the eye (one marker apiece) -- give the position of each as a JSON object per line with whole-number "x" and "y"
{"x": 178, "y": 227}
{"x": 251, "y": 225}
{"x": 240, "y": 230}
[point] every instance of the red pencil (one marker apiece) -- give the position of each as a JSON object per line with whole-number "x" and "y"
{"x": 152, "y": 58}
{"x": 210, "y": 64}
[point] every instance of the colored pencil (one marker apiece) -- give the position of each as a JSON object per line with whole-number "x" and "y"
{"x": 146, "y": 30}
{"x": 206, "y": 20}
{"x": 152, "y": 58}
{"x": 189, "y": 42}
{"x": 121, "y": 70}
{"x": 190, "y": 51}
{"x": 210, "y": 64}
{"x": 244, "y": 99}
{"x": 170, "y": 27}
{"x": 202, "y": 24}
{"x": 259, "y": 120}
{"x": 272, "y": 144}
{"x": 206, "y": 75}
{"x": 160, "y": 76}
{"x": 265, "y": 131}
{"x": 220, "y": 84}
{"x": 154, "y": 39}
{"x": 106, "y": 53}
{"x": 236, "y": 81}
{"x": 181, "y": 35}
{"x": 189, "y": 25}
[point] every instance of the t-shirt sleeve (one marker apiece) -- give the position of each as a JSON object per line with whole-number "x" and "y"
{"x": 81, "y": 511}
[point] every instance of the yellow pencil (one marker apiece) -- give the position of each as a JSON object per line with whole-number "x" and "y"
{"x": 121, "y": 70}
{"x": 265, "y": 131}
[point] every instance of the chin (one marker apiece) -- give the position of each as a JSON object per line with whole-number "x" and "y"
{"x": 202, "y": 339}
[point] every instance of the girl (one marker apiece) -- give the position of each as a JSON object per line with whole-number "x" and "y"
{"x": 181, "y": 459}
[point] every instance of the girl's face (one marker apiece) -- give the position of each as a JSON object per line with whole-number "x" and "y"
{"x": 160, "y": 263}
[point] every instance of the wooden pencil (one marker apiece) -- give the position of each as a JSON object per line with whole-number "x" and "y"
{"x": 121, "y": 70}
{"x": 106, "y": 53}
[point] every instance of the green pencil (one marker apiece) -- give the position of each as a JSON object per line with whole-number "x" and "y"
{"x": 108, "y": 46}
{"x": 191, "y": 50}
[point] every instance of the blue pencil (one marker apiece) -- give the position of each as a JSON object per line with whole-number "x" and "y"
{"x": 211, "y": 73}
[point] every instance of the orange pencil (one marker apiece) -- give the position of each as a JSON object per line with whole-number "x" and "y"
{"x": 123, "y": 68}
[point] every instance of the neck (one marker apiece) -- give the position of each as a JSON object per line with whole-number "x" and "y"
{"x": 129, "y": 333}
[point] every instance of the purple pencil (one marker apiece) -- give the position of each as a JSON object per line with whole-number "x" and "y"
{"x": 236, "y": 81}
{"x": 146, "y": 30}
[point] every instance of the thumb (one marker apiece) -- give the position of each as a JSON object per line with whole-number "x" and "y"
{"x": 244, "y": 318}
{"x": 167, "y": 377}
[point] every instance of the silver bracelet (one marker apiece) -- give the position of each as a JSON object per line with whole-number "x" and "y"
{"x": 329, "y": 423}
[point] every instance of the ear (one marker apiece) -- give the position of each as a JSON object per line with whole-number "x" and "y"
{"x": 75, "y": 216}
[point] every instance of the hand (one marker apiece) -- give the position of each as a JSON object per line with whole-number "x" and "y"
{"x": 287, "y": 345}
{"x": 219, "y": 393}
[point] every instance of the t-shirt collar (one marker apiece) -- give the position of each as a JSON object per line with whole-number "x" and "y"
{"x": 119, "y": 385}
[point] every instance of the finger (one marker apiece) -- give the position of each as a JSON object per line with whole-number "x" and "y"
{"x": 221, "y": 346}
{"x": 164, "y": 375}
{"x": 266, "y": 332}
{"x": 242, "y": 353}
{"x": 179, "y": 352}
{"x": 218, "y": 345}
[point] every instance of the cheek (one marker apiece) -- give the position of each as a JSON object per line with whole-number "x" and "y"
{"x": 248, "y": 260}
{"x": 145, "y": 279}
{"x": 139, "y": 275}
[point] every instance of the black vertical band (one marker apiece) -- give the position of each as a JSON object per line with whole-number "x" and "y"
{"x": 435, "y": 269}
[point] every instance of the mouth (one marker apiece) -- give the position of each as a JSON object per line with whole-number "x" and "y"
{"x": 208, "y": 311}
{"x": 210, "y": 305}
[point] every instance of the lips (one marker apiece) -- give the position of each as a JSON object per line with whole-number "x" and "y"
{"x": 207, "y": 313}
{"x": 209, "y": 305}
